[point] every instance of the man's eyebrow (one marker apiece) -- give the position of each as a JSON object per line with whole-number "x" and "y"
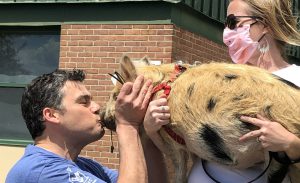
{"x": 84, "y": 97}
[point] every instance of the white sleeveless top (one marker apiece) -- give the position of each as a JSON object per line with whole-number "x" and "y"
{"x": 226, "y": 174}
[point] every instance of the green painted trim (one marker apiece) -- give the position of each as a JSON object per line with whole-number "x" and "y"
{"x": 196, "y": 22}
{"x": 13, "y": 142}
{"x": 38, "y": 14}
{"x": 12, "y": 85}
{"x": 86, "y": 22}
{"x": 76, "y": 1}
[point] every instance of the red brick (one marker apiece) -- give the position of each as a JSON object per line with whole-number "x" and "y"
{"x": 100, "y": 54}
{"x": 101, "y": 43}
{"x": 84, "y": 65}
{"x": 63, "y": 43}
{"x": 64, "y": 48}
{"x": 123, "y": 49}
{"x": 144, "y": 26}
{"x": 92, "y": 38}
{"x": 85, "y": 54}
{"x": 65, "y": 37}
{"x": 86, "y": 32}
{"x": 93, "y": 153}
{"x": 116, "y": 43}
{"x": 116, "y": 32}
{"x": 66, "y": 26}
{"x": 124, "y": 26}
{"x": 92, "y": 60}
{"x": 139, "y": 49}
{"x": 156, "y": 26}
{"x": 100, "y": 32}
{"x": 92, "y": 49}
{"x": 73, "y": 32}
{"x": 72, "y": 54}
{"x": 132, "y": 32}
{"x": 76, "y": 59}
{"x": 99, "y": 65}
{"x": 99, "y": 26}
{"x": 132, "y": 43}
{"x": 86, "y": 43}
{"x": 149, "y": 43}
{"x": 164, "y": 32}
{"x": 78, "y": 37}
{"x": 70, "y": 65}
{"x": 148, "y": 32}
{"x": 108, "y": 49}
{"x": 64, "y": 59}
{"x": 108, "y": 60}
{"x": 109, "y": 26}
{"x": 78, "y": 26}
{"x": 155, "y": 49}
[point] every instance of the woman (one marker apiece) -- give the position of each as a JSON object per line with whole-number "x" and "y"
{"x": 256, "y": 32}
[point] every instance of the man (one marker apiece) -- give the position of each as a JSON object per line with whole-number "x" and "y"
{"x": 62, "y": 119}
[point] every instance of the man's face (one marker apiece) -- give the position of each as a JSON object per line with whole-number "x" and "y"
{"x": 80, "y": 115}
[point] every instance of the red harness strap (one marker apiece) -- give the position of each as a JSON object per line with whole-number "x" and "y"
{"x": 167, "y": 88}
{"x": 162, "y": 86}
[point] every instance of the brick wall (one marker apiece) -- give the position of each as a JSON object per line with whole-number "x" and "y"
{"x": 97, "y": 49}
{"x": 190, "y": 47}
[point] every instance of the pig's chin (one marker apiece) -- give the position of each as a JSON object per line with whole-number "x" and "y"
{"x": 109, "y": 123}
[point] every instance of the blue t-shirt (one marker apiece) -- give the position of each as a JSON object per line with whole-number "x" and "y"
{"x": 41, "y": 166}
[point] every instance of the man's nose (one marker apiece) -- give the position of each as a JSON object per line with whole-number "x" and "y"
{"x": 95, "y": 108}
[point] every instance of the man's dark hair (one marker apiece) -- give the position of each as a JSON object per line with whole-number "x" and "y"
{"x": 45, "y": 91}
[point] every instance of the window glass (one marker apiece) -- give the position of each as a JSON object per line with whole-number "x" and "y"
{"x": 12, "y": 125}
{"x": 25, "y": 53}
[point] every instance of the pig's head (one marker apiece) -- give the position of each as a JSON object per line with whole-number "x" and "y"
{"x": 128, "y": 72}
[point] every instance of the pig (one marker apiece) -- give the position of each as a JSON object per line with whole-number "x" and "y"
{"x": 206, "y": 102}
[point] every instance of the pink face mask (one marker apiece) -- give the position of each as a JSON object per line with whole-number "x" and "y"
{"x": 241, "y": 47}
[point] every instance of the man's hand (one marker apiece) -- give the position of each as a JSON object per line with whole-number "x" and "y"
{"x": 132, "y": 102}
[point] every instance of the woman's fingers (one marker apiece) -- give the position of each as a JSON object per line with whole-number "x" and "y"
{"x": 251, "y": 135}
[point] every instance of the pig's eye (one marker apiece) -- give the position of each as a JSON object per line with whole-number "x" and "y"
{"x": 115, "y": 95}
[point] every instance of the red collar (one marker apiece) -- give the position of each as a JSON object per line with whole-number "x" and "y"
{"x": 167, "y": 88}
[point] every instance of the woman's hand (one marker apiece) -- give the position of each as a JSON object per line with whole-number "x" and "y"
{"x": 157, "y": 115}
{"x": 273, "y": 136}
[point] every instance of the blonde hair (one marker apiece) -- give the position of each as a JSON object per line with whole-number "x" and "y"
{"x": 278, "y": 16}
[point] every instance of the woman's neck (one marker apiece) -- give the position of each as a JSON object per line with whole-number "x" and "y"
{"x": 271, "y": 62}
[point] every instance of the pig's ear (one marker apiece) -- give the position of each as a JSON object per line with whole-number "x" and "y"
{"x": 145, "y": 60}
{"x": 127, "y": 69}
{"x": 141, "y": 63}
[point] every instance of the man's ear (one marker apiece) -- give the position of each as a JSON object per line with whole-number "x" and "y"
{"x": 51, "y": 115}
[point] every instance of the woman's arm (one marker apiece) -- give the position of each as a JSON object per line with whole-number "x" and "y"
{"x": 156, "y": 116}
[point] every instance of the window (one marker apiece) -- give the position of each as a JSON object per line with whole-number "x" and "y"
{"x": 25, "y": 53}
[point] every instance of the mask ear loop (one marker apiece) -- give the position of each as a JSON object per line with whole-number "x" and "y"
{"x": 263, "y": 47}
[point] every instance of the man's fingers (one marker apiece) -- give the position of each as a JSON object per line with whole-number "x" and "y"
{"x": 137, "y": 86}
{"x": 125, "y": 90}
{"x": 147, "y": 96}
{"x": 145, "y": 89}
